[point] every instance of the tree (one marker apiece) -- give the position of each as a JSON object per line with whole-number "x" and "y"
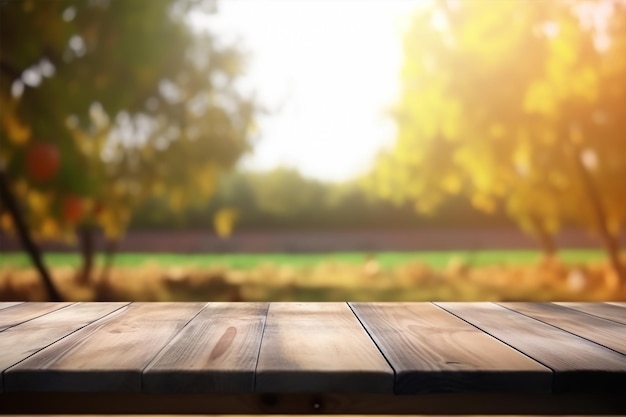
{"x": 515, "y": 104}
{"x": 127, "y": 99}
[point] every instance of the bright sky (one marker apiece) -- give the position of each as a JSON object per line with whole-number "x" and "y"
{"x": 329, "y": 69}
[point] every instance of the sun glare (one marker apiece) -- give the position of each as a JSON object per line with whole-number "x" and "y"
{"x": 327, "y": 71}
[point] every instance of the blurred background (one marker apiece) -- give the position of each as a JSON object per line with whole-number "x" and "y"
{"x": 312, "y": 150}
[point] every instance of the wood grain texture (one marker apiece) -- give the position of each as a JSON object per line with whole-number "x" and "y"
{"x": 7, "y": 304}
{"x": 604, "y": 310}
{"x": 108, "y": 355}
{"x": 605, "y": 332}
{"x": 319, "y": 347}
{"x": 216, "y": 352}
{"x": 433, "y": 351}
{"x": 578, "y": 364}
{"x": 26, "y": 339}
{"x": 20, "y": 313}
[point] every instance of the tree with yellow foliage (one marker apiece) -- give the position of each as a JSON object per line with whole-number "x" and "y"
{"x": 518, "y": 105}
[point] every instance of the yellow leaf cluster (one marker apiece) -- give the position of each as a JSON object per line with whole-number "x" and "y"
{"x": 18, "y": 133}
{"x": 540, "y": 99}
{"x": 224, "y": 221}
{"x": 484, "y": 203}
{"x": 49, "y": 228}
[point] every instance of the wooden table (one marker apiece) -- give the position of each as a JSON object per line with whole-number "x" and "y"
{"x": 429, "y": 358}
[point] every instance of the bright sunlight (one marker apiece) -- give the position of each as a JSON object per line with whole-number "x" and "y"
{"x": 327, "y": 70}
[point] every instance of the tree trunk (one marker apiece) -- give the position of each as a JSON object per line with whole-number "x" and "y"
{"x": 109, "y": 254}
{"x": 86, "y": 241}
{"x": 29, "y": 245}
{"x": 545, "y": 239}
{"x": 103, "y": 289}
{"x": 610, "y": 242}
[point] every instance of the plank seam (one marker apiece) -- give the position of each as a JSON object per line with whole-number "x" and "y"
{"x": 375, "y": 344}
{"x": 502, "y": 341}
{"x": 33, "y": 318}
{"x": 59, "y": 339}
{"x": 565, "y": 330}
{"x": 258, "y": 354}
{"x": 589, "y": 314}
{"x": 166, "y": 344}
{"x": 17, "y": 303}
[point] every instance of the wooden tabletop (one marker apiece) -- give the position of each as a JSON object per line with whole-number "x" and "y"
{"x": 395, "y": 352}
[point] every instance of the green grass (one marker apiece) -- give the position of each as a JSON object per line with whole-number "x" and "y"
{"x": 246, "y": 261}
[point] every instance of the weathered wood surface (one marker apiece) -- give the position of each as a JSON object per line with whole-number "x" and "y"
{"x": 18, "y": 343}
{"x": 108, "y": 355}
{"x": 216, "y": 352}
{"x": 607, "y": 311}
{"x": 20, "y": 313}
{"x": 579, "y": 365}
{"x": 319, "y": 347}
{"x": 618, "y": 303}
{"x": 434, "y": 351}
{"x": 7, "y": 304}
{"x": 604, "y": 332}
{"x": 315, "y": 357}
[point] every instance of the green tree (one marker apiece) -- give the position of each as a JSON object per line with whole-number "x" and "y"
{"x": 121, "y": 101}
{"x": 284, "y": 192}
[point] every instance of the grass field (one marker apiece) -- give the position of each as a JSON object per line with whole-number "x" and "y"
{"x": 244, "y": 261}
{"x": 577, "y": 275}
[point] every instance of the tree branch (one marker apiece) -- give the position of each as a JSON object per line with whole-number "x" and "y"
{"x": 31, "y": 248}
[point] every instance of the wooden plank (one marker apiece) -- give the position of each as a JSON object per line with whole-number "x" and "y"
{"x": 579, "y": 365}
{"x": 23, "y": 312}
{"x": 605, "y": 332}
{"x": 22, "y": 341}
{"x": 619, "y": 304}
{"x": 108, "y": 355}
{"x": 7, "y": 304}
{"x": 216, "y": 352}
{"x": 604, "y": 310}
{"x": 319, "y": 347}
{"x": 433, "y": 351}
